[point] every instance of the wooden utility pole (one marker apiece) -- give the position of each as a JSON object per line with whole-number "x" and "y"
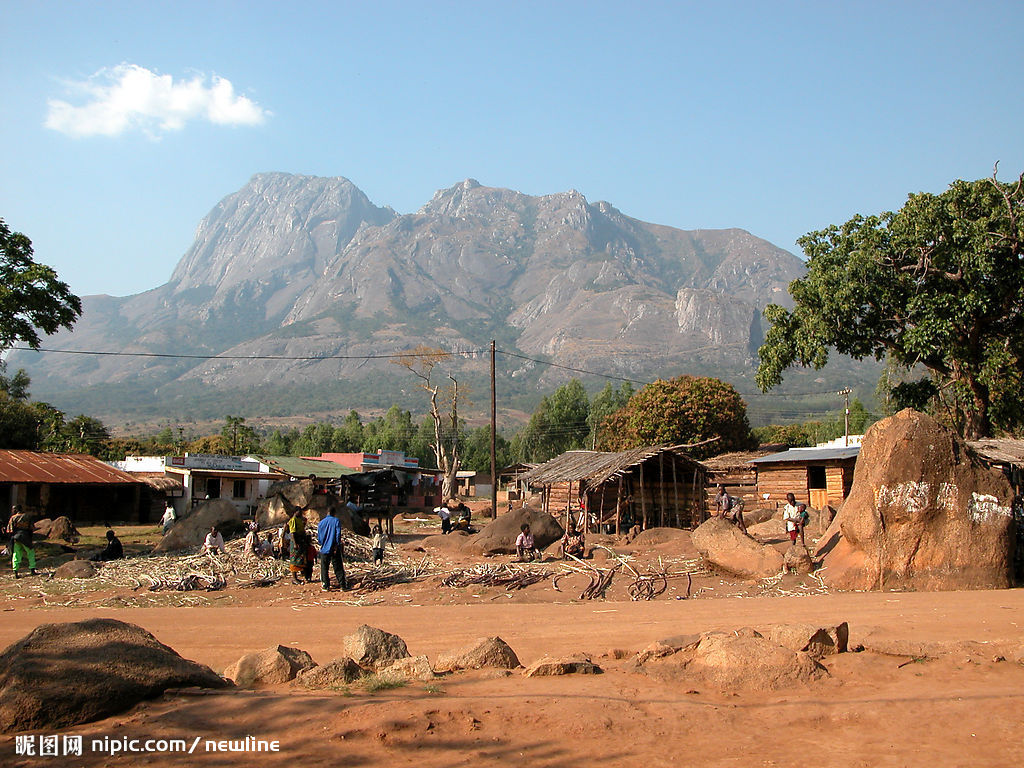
{"x": 494, "y": 427}
{"x": 846, "y": 431}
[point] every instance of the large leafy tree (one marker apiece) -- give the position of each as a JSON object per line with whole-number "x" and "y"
{"x": 559, "y": 424}
{"x": 938, "y": 284}
{"x": 32, "y": 299}
{"x": 683, "y": 410}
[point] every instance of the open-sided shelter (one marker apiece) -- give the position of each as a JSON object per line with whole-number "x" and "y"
{"x": 652, "y": 486}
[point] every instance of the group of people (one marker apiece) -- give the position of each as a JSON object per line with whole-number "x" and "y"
{"x": 20, "y": 531}
{"x": 462, "y": 514}
{"x": 794, "y": 514}
{"x": 573, "y": 545}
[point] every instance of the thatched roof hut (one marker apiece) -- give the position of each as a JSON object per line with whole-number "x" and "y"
{"x": 654, "y": 485}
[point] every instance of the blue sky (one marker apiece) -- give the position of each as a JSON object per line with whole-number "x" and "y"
{"x": 778, "y": 118}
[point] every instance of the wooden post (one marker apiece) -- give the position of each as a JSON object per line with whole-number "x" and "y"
{"x": 661, "y": 484}
{"x": 568, "y": 506}
{"x": 643, "y": 498}
{"x": 600, "y": 510}
{"x": 618, "y": 510}
{"x": 675, "y": 490}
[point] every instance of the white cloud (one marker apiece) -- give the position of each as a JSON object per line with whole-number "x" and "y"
{"x": 129, "y": 97}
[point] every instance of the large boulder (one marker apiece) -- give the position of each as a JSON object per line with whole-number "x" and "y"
{"x": 75, "y": 569}
{"x": 740, "y": 660}
{"x": 42, "y": 527}
{"x": 374, "y": 648}
{"x": 271, "y": 666}
{"x": 923, "y": 513}
{"x": 498, "y": 537}
{"x": 60, "y": 675}
{"x": 191, "y": 531}
{"x": 483, "y": 652}
{"x": 63, "y": 528}
{"x": 727, "y": 548}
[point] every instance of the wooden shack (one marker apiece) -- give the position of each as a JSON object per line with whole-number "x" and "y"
{"x": 652, "y": 486}
{"x": 818, "y": 477}
{"x": 737, "y": 474}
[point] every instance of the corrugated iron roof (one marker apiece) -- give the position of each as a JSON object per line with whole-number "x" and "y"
{"x": 597, "y": 467}
{"x": 293, "y": 466}
{"x": 70, "y": 468}
{"x": 802, "y": 455}
{"x": 1000, "y": 450}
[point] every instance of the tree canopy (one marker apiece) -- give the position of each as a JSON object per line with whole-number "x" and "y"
{"x": 938, "y": 284}
{"x": 686, "y": 409}
{"x": 32, "y": 299}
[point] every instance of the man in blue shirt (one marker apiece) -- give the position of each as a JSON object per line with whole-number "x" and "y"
{"x": 332, "y": 549}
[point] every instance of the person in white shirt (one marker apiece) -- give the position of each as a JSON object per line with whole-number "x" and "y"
{"x": 214, "y": 543}
{"x": 526, "y": 547}
{"x": 168, "y": 519}
{"x": 446, "y": 518}
{"x": 795, "y": 517}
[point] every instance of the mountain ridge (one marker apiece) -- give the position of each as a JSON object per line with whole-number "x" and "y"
{"x": 307, "y": 266}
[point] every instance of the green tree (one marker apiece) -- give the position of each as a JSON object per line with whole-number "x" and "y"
{"x": 686, "y": 409}
{"x": 32, "y": 299}
{"x": 348, "y": 438}
{"x": 605, "y": 403}
{"x": 939, "y": 283}
{"x": 85, "y": 434}
{"x": 239, "y": 438}
{"x": 559, "y": 424}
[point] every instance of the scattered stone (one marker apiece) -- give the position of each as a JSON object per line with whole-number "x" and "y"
{"x": 60, "y": 675}
{"x": 797, "y": 560}
{"x": 576, "y": 665}
{"x": 42, "y": 527}
{"x": 814, "y": 640}
{"x": 374, "y": 648}
{"x": 618, "y": 654}
{"x": 727, "y": 548}
{"x": 75, "y": 569}
{"x": 334, "y": 674}
{"x": 498, "y": 537}
{"x": 191, "y": 531}
{"x": 271, "y": 666}
{"x": 923, "y": 513}
{"x": 484, "y": 652}
{"x": 410, "y": 668}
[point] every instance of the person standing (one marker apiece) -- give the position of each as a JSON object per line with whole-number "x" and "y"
{"x": 20, "y": 529}
{"x": 377, "y": 545}
{"x": 169, "y": 518}
{"x": 446, "y": 518}
{"x": 332, "y": 551}
{"x": 795, "y": 517}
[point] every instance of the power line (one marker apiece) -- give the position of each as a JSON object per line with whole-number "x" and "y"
{"x": 232, "y": 357}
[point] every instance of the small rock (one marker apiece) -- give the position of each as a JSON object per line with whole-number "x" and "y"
{"x": 333, "y": 674}
{"x": 815, "y": 640}
{"x": 797, "y": 560}
{"x": 271, "y": 666}
{"x": 75, "y": 569}
{"x": 411, "y": 668}
{"x": 548, "y": 667}
{"x": 374, "y": 648}
{"x": 484, "y": 652}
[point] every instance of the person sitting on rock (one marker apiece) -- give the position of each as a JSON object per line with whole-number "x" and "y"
{"x": 572, "y": 543}
{"x": 214, "y": 543}
{"x": 729, "y": 508}
{"x": 113, "y": 550}
{"x": 795, "y": 516}
{"x": 526, "y": 547}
